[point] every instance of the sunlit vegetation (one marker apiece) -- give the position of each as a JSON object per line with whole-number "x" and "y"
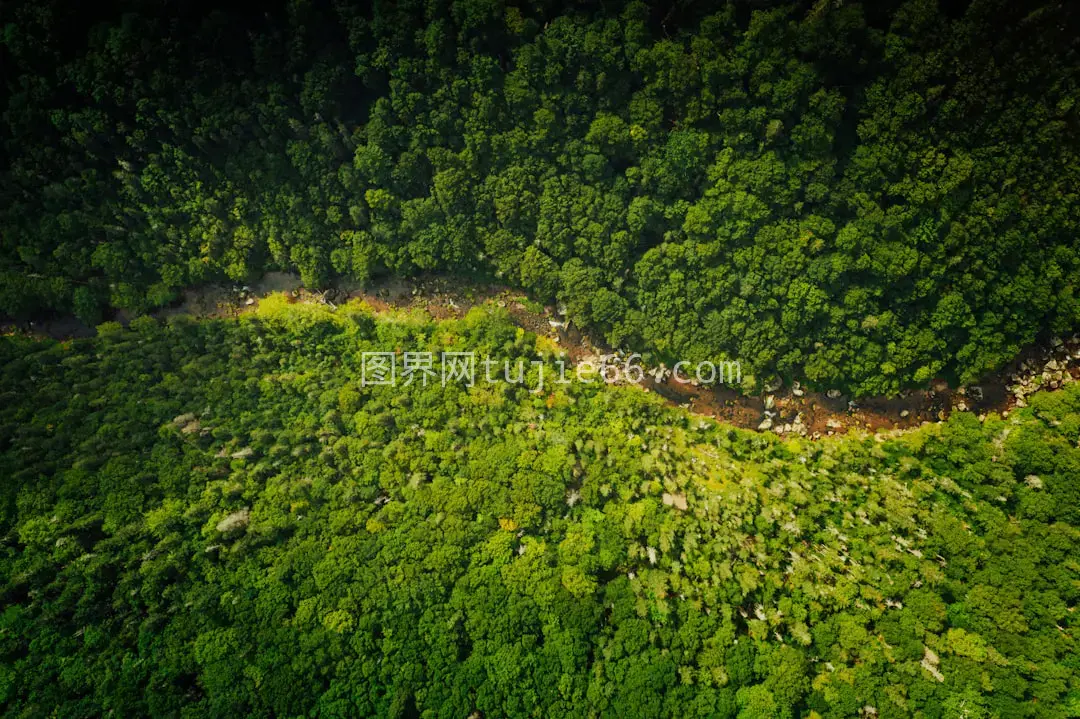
{"x": 217, "y": 519}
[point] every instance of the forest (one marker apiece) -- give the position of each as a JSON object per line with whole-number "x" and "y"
{"x": 218, "y": 519}
{"x": 859, "y": 196}
{"x": 221, "y": 516}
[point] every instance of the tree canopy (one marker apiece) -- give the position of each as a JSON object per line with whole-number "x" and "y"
{"x": 862, "y": 196}
{"x": 222, "y": 519}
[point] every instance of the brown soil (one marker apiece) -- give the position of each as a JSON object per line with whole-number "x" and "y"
{"x": 446, "y": 298}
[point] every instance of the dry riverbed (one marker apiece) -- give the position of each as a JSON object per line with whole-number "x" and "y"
{"x": 786, "y": 410}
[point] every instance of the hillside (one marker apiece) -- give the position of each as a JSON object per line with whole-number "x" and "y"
{"x": 857, "y": 196}
{"x": 221, "y": 518}
{"x": 305, "y": 307}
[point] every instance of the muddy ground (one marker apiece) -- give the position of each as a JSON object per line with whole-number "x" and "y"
{"x": 792, "y": 410}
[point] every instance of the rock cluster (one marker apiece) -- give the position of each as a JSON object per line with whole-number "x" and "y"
{"x": 795, "y": 426}
{"x": 244, "y": 295}
{"x": 1051, "y": 371}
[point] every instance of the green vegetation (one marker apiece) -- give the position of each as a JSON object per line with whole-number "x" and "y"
{"x": 217, "y": 519}
{"x": 212, "y": 519}
{"x": 863, "y": 196}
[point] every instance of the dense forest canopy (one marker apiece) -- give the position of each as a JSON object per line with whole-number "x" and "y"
{"x": 220, "y": 519}
{"x": 860, "y": 196}
{"x": 224, "y": 518}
